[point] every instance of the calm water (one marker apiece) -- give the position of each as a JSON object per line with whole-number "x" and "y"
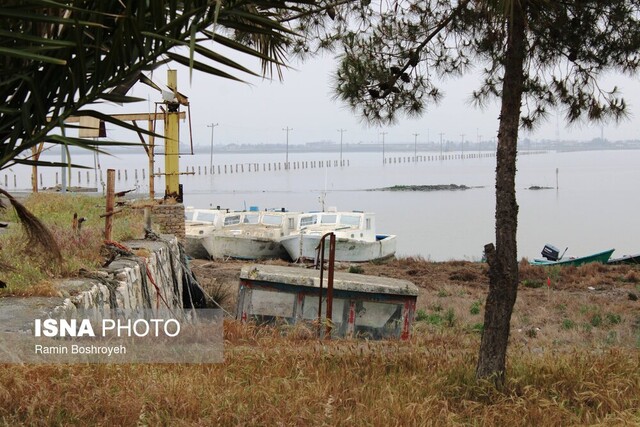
{"x": 594, "y": 208}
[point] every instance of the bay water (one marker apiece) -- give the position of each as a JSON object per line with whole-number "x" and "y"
{"x": 589, "y": 201}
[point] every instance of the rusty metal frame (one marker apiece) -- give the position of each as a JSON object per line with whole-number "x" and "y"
{"x": 331, "y": 268}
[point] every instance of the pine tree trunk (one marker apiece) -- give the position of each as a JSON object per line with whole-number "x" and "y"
{"x": 503, "y": 259}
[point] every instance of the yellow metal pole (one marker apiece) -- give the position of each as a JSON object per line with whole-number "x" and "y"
{"x": 172, "y": 134}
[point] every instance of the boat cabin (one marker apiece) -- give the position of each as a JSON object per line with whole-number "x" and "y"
{"x": 350, "y": 225}
{"x": 363, "y": 306}
{"x": 273, "y": 224}
{"x": 200, "y": 222}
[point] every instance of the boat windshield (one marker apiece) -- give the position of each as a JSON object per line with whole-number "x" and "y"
{"x": 352, "y": 220}
{"x": 271, "y": 219}
{"x": 308, "y": 220}
{"x": 329, "y": 219}
{"x": 206, "y": 217}
{"x": 251, "y": 219}
{"x": 232, "y": 220}
{"x": 188, "y": 215}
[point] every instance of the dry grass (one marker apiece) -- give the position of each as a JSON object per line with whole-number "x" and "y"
{"x": 268, "y": 379}
{"x": 33, "y": 269}
{"x": 574, "y": 359}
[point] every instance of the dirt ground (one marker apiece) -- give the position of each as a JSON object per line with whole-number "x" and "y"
{"x": 558, "y": 308}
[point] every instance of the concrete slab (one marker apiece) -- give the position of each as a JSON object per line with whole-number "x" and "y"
{"x": 300, "y": 276}
{"x": 17, "y": 314}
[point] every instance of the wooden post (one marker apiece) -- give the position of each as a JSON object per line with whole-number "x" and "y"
{"x": 108, "y": 221}
{"x": 36, "y": 150}
{"x": 34, "y": 171}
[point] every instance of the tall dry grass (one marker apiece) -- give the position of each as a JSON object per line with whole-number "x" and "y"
{"x": 269, "y": 379}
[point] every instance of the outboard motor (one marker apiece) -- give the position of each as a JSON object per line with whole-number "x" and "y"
{"x": 550, "y": 252}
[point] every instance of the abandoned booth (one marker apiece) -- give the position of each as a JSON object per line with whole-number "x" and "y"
{"x": 363, "y": 306}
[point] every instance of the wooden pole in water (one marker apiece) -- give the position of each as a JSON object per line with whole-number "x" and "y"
{"x": 150, "y": 153}
{"x": 557, "y": 185}
{"x": 342, "y": 131}
{"x": 286, "y": 159}
{"x": 108, "y": 221}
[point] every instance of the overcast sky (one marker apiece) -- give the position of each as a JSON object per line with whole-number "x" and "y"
{"x": 258, "y": 112}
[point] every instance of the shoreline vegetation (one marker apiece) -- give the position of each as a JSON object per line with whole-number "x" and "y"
{"x": 573, "y": 358}
{"x": 438, "y": 187}
{"x": 538, "y": 187}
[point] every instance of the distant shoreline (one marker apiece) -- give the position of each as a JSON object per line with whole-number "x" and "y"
{"x": 409, "y": 149}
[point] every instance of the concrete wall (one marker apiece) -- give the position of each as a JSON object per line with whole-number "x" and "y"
{"x": 128, "y": 284}
{"x": 152, "y": 280}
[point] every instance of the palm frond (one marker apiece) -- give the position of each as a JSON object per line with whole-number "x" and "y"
{"x": 59, "y": 57}
{"x": 37, "y": 233}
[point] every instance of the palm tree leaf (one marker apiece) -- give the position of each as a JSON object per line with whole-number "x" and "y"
{"x": 47, "y": 164}
{"x": 36, "y": 39}
{"x": 120, "y": 99}
{"x": 17, "y": 53}
{"x": 104, "y": 45}
{"x": 237, "y": 46}
{"x": 37, "y": 233}
{"x": 201, "y": 66}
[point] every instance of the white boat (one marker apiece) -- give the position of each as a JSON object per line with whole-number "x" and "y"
{"x": 198, "y": 224}
{"x": 251, "y": 235}
{"x": 356, "y": 238}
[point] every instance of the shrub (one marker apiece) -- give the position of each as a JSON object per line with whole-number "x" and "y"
{"x": 568, "y": 324}
{"x": 532, "y": 283}
{"x": 475, "y": 308}
{"x": 421, "y": 315}
{"x": 356, "y": 269}
{"x": 613, "y": 319}
{"x": 450, "y": 317}
{"x": 477, "y": 327}
{"x": 431, "y": 319}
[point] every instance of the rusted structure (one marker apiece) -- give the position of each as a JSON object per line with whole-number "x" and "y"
{"x": 363, "y": 306}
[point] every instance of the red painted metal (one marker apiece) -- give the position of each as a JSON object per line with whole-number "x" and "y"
{"x": 409, "y": 307}
{"x": 331, "y": 268}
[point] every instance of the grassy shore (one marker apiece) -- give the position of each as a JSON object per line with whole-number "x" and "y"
{"x": 268, "y": 379}
{"x": 34, "y": 272}
{"x": 574, "y": 354}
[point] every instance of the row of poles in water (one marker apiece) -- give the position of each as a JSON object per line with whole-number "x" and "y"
{"x": 125, "y": 174}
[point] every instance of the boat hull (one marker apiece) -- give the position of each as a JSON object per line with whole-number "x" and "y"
{"x": 627, "y": 259}
{"x": 347, "y": 250}
{"x": 601, "y": 257}
{"x": 194, "y": 248}
{"x": 243, "y": 247}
